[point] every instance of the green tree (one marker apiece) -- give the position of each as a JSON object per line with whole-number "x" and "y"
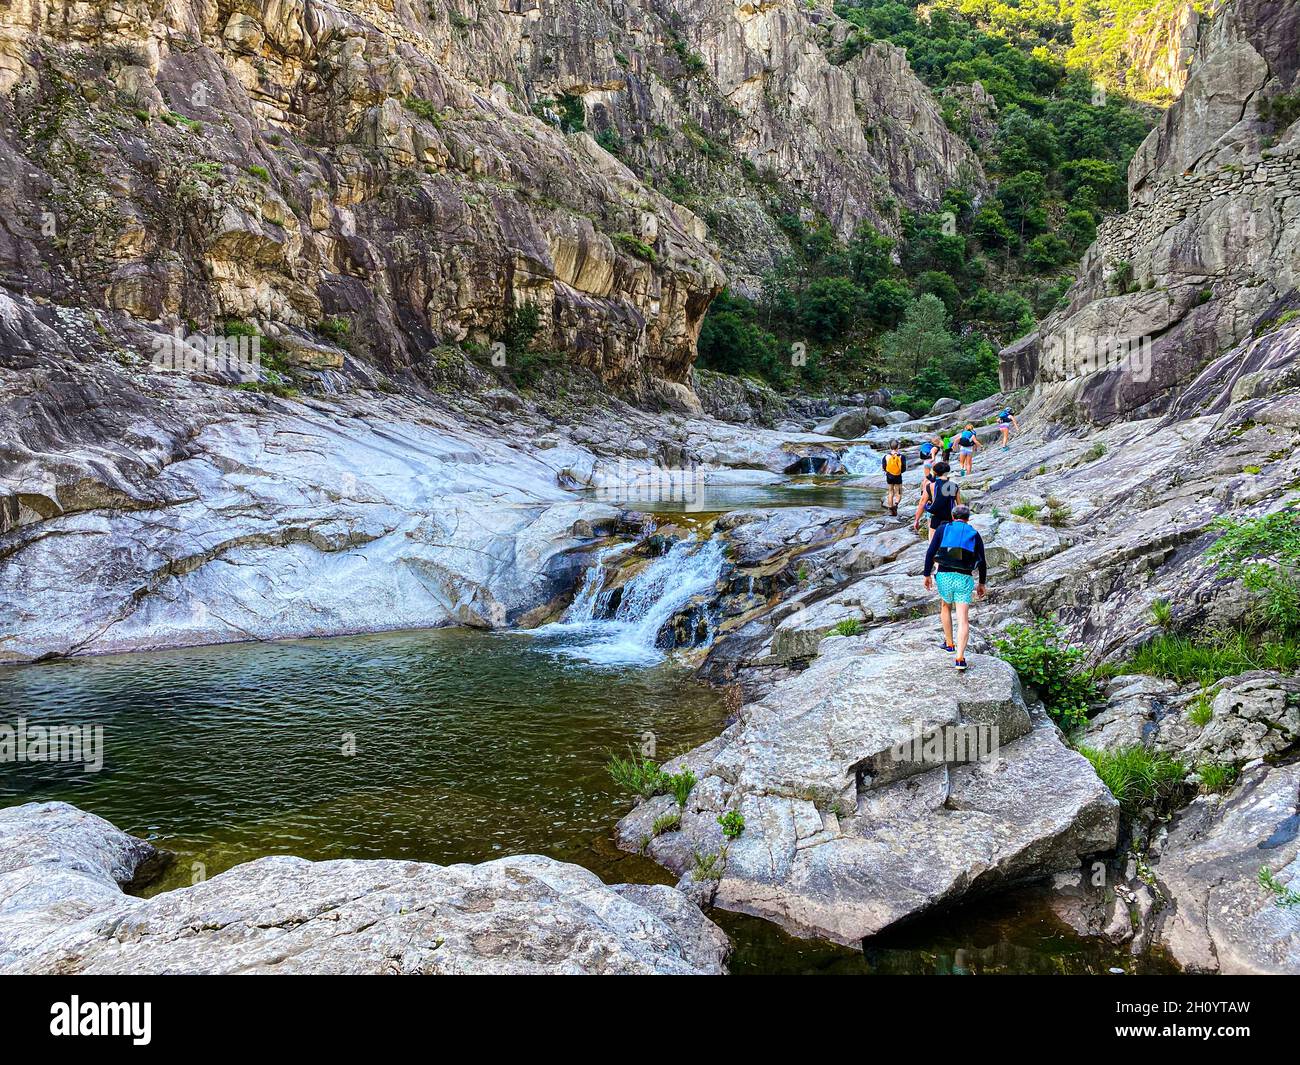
{"x": 922, "y": 338}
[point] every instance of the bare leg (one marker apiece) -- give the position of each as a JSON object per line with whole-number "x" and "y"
{"x": 963, "y": 628}
{"x": 945, "y": 615}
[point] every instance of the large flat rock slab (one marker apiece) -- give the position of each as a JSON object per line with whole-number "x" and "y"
{"x": 521, "y": 915}
{"x": 850, "y": 826}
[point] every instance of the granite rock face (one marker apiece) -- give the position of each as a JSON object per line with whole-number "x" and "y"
{"x": 1221, "y": 918}
{"x": 427, "y": 173}
{"x": 1208, "y": 254}
{"x": 61, "y": 912}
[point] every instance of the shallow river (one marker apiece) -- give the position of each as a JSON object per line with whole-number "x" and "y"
{"x": 468, "y": 746}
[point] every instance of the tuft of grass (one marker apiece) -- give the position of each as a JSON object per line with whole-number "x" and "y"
{"x": 1215, "y": 778}
{"x": 669, "y": 822}
{"x": 707, "y": 866}
{"x": 847, "y": 627}
{"x": 1138, "y": 777}
{"x": 679, "y": 786}
{"x": 1059, "y": 512}
{"x": 1223, "y": 655}
{"x": 1162, "y": 613}
{"x": 638, "y": 776}
{"x": 1284, "y": 898}
{"x": 1016, "y": 566}
{"x": 1200, "y": 711}
{"x": 1028, "y": 511}
{"x": 260, "y": 172}
{"x": 1098, "y": 450}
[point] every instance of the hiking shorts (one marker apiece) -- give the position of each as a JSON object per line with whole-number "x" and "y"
{"x": 968, "y": 451}
{"x": 955, "y": 587}
{"x": 893, "y": 478}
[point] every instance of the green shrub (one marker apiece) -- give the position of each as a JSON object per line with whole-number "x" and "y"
{"x": 1098, "y": 450}
{"x": 423, "y": 109}
{"x": 1026, "y": 510}
{"x": 260, "y": 172}
{"x": 733, "y": 824}
{"x": 1264, "y": 554}
{"x": 636, "y": 246}
{"x": 847, "y": 627}
{"x": 335, "y": 328}
{"x": 1138, "y": 777}
{"x": 1052, "y": 668}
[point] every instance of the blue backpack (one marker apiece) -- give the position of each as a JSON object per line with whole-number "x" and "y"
{"x": 926, "y": 448}
{"x": 966, "y": 438}
{"x": 957, "y": 547}
{"x": 959, "y": 535}
{"x": 1005, "y": 416}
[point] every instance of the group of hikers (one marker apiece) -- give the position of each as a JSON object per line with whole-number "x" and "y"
{"x": 956, "y": 551}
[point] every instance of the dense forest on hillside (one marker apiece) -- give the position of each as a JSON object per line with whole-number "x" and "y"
{"x": 926, "y": 314}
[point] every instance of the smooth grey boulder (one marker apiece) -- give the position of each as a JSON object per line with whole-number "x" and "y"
{"x": 853, "y": 424}
{"x": 62, "y": 912}
{"x": 946, "y": 405}
{"x": 850, "y": 827}
{"x": 1220, "y": 918}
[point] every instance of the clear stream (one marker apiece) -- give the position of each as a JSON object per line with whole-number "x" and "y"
{"x": 448, "y": 745}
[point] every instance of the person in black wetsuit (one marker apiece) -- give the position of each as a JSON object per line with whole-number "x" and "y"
{"x": 938, "y": 497}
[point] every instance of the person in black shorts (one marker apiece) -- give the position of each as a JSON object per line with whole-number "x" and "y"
{"x": 938, "y": 497}
{"x": 894, "y": 464}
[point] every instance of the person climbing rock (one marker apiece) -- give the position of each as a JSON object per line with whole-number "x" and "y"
{"x": 938, "y": 497}
{"x": 1006, "y": 422}
{"x": 958, "y": 551}
{"x": 894, "y": 463}
{"x": 966, "y": 445}
{"x": 929, "y": 450}
{"x": 947, "y": 445}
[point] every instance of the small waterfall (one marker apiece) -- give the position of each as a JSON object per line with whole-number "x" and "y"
{"x": 861, "y": 460}
{"x": 649, "y": 601}
{"x": 583, "y": 608}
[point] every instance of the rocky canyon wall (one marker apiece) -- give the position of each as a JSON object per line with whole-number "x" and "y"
{"x": 421, "y": 169}
{"x": 1208, "y": 256}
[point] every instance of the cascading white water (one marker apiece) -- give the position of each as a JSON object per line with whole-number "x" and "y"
{"x": 649, "y": 600}
{"x": 583, "y": 608}
{"x": 860, "y": 460}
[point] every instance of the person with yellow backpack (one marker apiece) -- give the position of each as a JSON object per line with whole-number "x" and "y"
{"x": 894, "y": 464}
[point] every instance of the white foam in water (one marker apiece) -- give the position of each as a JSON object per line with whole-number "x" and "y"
{"x": 860, "y": 460}
{"x": 649, "y": 600}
